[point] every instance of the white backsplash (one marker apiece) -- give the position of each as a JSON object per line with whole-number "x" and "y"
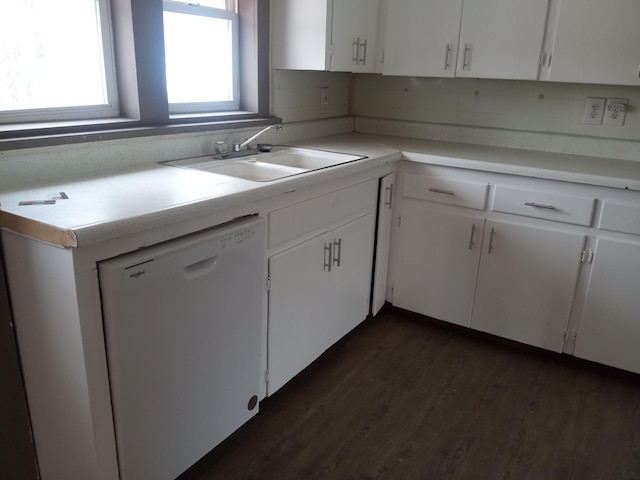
{"x": 499, "y": 104}
{"x": 47, "y": 165}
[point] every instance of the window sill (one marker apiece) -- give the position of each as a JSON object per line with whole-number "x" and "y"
{"x": 13, "y": 137}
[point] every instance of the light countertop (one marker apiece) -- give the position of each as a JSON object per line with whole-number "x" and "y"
{"x": 104, "y": 208}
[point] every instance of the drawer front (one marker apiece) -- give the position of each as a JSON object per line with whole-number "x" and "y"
{"x": 309, "y": 215}
{"x": 545, "y": 205}
{"x": 620, "y": 217}
{"x": 446, "y": 190}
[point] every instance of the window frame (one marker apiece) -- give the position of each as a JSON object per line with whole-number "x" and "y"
{"x": 110, "y": 109}
{"x": 178, "y": 6}
{"x": 137, "y": 31}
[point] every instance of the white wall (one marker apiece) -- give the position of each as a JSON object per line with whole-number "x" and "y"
{"x": 515, "y": 105}
{"x": 295, "y": 95}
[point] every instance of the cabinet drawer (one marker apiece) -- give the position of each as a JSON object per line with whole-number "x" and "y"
{"x": 309, "y": 215}
{"x": 545, "y": 205}
{"x": 446, "y": 190}
{"x": 620, "y": 217}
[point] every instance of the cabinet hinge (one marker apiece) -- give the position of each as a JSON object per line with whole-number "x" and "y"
{"x": 382, "y": 61}
{"x": 399, "y": 220}
{"x": 543, "y": 59}
{"x": 587, "y": 256}
{"x": 266, "y": 376}
{"x": 570, "y": 336}
{"x": 268, "y": 284}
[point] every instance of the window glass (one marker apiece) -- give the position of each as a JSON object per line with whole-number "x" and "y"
{"x": 52, "y": 55}
{"x": 201, "y": 57}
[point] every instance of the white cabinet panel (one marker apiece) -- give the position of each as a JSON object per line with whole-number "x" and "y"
{"x": 465, "y": 38}
{"x": 296, "y": 299}
{"x": 501, "y": 38}
{"x": 526, "y": 283}
{"x": 596, "y": 41}
{"x": 437, "y": 262}
{"x": 349, "y": 287}
{"x": 421, "y": 37}
{"x": 609, "y": 330}
{"x": 320, "y": 290}
{"x": 335, "y": 35}
{"x": 383, "y": 244}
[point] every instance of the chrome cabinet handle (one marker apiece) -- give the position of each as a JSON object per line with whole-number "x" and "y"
{"x": 444, "y": 192}
{"x": 447, "y": 54}
{"x": 540, "y": 205}
{"x": 465, "y": 58}
{"x": 363, "y": 59}
{"x": 388, "y": 203}
{"x": 473, "y": 231}
{"x": 493, "y": 231}
{"x": 638, "y": 71}
{"x": 328, "y": 250}
{"x": 337, "y": 252}
{"x": 356, "y": 51}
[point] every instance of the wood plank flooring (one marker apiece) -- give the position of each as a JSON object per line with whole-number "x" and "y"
{"x": 406, "y": 398}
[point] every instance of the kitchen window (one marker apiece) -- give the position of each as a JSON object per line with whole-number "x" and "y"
{"x": 201, "y": 56}
{"x": 57, "y": 61}
{"x": 178, "y": 67}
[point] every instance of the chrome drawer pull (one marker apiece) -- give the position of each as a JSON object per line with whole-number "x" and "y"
{"x": 328, "y": 254}
{"x": 447, "y": 53}
{"x": 444, "y": 192}
{"x": 473, "y": 231}
{"x": 356, "y": 51}
{"x": 337, "y": 252}
{"x": 540, "y": 205}
{"x": 388, "y": 203}
{"x": 363, "y": 60}
{"x": 493, "y": 231}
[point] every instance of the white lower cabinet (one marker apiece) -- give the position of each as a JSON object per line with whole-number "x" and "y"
{"x": 609, "y": 330}
{"x": 526, "y": 282}
{"x": 437, "y": 261}
{"x": 502, "y": 274}
{"x": 319, "y": 291}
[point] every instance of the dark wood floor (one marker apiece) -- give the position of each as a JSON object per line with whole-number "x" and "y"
{"x": 403, "y": 398}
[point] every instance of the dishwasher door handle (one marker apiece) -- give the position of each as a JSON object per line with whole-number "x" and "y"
{"x": 200, "y": 268}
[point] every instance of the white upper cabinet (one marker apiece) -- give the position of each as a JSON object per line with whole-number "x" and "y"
{"x": 593, "y": 41}
{"x": 501, "y": 38}
{"x": 333, "y": 35}
{"x": 421, "y": 37}
{"x": 470, "y": 38}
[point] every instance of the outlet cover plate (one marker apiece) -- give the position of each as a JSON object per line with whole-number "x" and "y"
{"x": 615, "y": 116}
{"x": 593, "y": 111}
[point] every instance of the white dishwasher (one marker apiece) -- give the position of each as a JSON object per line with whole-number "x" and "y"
{"x": 183, "y": 323}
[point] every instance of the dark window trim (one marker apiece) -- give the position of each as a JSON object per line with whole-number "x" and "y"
{"x": 141, "y": 83}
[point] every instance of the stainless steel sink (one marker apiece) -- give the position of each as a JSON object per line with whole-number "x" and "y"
{"x": 280, "y": 162}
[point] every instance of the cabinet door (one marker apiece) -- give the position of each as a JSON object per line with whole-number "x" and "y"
{"x": 526, "y": 282}
{"x": 354, "y": 35}
{"x": 301, "y": 34}
{"x": 597, "y": 42}
{"x": 297, "y": 309}
{"x": 437, "y": 262}
{"x": 385, "y": 218}
{"x": 421, "y": 37}
{"x": 350, "y": 278}
{"x": 501, "y": 38}
{"x": 609, "y": 330}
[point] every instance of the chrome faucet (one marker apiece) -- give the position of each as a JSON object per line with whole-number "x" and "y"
{"x": 237, "y": 147}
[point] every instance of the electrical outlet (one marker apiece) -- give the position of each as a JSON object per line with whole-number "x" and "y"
{"x": 324, "y": 98}
{"x": 593, "y": 111}
{"x": 615, "y": 111}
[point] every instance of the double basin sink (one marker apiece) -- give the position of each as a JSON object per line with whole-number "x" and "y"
{"x": 279, "y": 162}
